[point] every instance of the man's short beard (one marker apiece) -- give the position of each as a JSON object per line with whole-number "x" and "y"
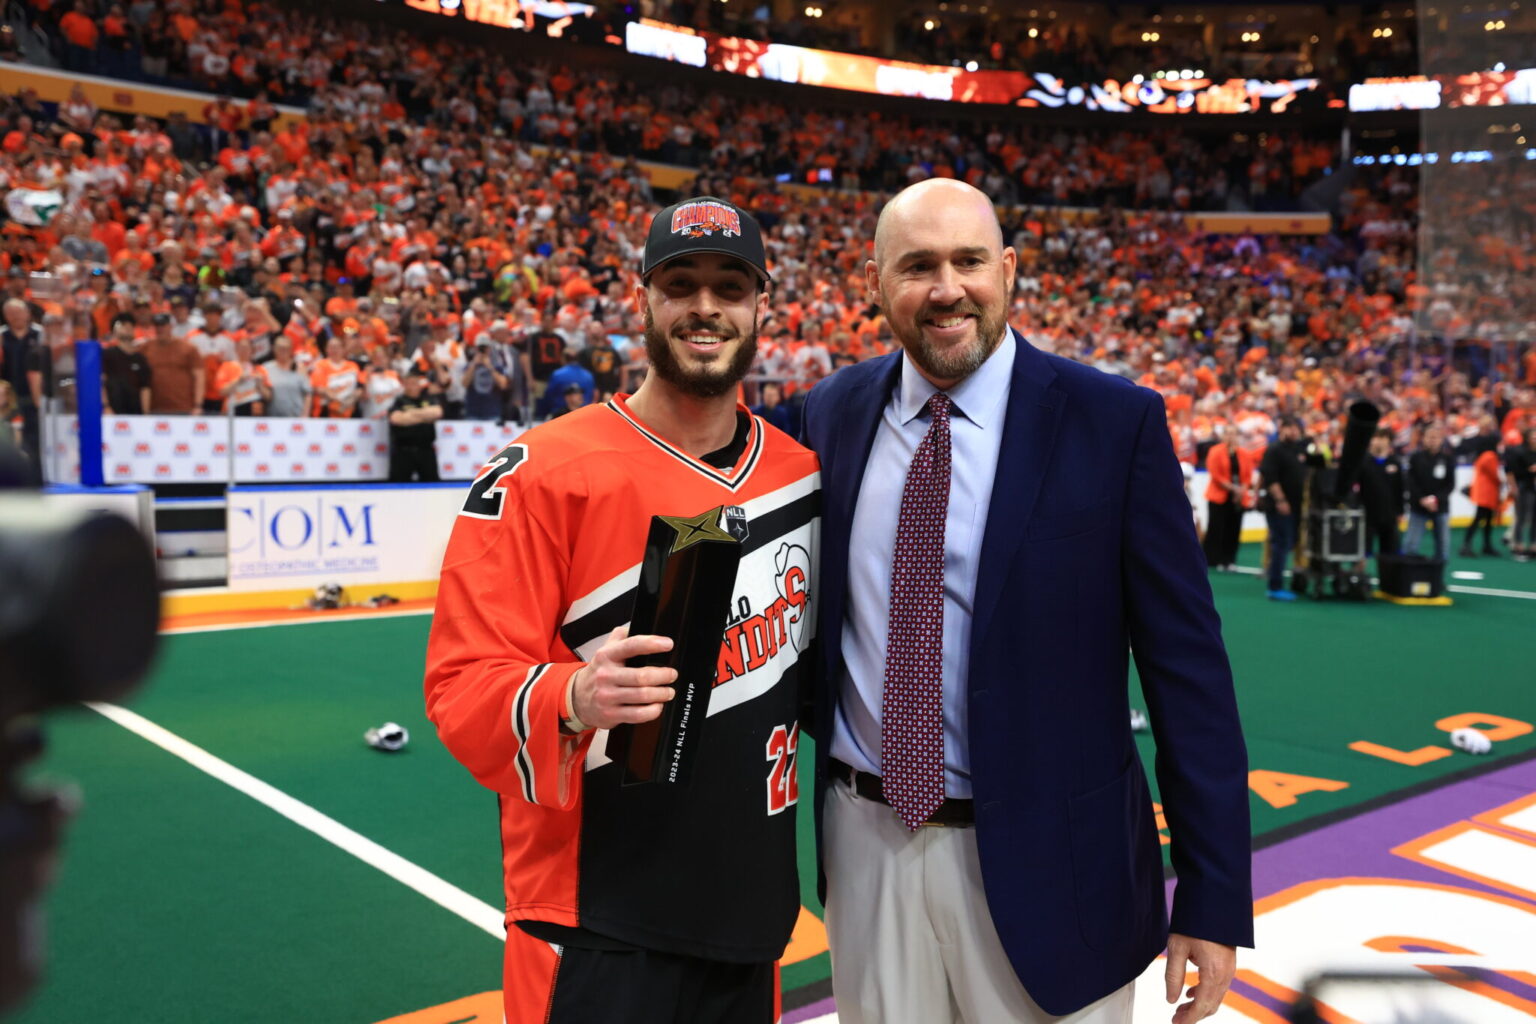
{"x": 708, "y": 383}
{"x": 952, "y": 364}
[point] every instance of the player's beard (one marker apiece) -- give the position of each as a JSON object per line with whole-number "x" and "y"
{"x": 956, "y": 363}
{"x": 710, "y": 381}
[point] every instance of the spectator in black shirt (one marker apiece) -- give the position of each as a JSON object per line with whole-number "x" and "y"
{"x": 602, "y": 360}
{"x": 1283, "y": 474}
{"x": 1381, "y": 492}
{"x": 22, "y": 363}
{"x": 412, "y": 456}
{"x": 1520, "y": 467}
{"x": 125, "y": 372}
{"x": 477, "y": 275}
{"x": 546, "y": 354}
{"x": 1431, "y": 479}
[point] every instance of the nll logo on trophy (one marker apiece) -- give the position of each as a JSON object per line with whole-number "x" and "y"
{"x": 734, "y": 522}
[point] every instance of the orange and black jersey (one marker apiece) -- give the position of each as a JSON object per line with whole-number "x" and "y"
{"x": 546, "y": 354}
{"x": 541, "y": 567}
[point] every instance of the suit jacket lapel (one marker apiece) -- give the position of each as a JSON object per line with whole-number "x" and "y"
{"x": 1034, "y": 413}
{"x": 842, "y": 477}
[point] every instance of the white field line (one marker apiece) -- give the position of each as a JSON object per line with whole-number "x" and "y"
{"x": 446, "y": 895}
{"x": 1526, "y": 595}
{"x": 1493, "y": 592}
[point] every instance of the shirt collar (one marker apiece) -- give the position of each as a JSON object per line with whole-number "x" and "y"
{"x": 978, "y": 397}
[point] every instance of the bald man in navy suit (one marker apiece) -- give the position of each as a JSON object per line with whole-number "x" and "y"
{"x": 1002, "y": 530}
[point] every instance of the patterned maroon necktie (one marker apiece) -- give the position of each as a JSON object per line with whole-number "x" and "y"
{"x": 912, "y": 729}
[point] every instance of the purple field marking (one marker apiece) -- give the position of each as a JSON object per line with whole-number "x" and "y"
{"x": 1269, "y": 1002}
{"x": 810, "y": 1012}
{"x": 1362, "y": 847}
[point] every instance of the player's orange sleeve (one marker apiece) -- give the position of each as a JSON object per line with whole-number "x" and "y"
{"x": 497, "y": 671}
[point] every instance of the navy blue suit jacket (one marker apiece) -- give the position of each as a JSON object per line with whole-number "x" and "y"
{"x": 1089, "y": 555}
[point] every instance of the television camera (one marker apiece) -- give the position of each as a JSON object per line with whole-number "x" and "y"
{"x": 79, "y": 619}
{"x": 1331, "y": 545}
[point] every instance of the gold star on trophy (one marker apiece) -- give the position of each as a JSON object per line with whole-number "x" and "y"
{"x": 696, "y": 529}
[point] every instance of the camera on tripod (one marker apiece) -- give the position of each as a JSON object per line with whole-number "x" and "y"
{"x": 1331, "y": 547}
{"x": 79, "y": 621}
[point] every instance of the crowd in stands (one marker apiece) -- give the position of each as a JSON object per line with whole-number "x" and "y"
{"x": 416, "y": 224}
{"x": 232, "y": 48}
{"x": 374, "y": 76}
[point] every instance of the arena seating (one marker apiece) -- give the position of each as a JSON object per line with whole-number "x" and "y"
{"x": 431, "y": 192}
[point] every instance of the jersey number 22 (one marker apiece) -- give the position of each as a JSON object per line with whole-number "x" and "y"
{"x": 783, "y": 778}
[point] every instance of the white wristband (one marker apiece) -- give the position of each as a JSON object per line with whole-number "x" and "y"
{"x": 572, "y": 724}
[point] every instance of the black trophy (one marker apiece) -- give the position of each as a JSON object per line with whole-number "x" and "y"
{"x": 686, "y": 583}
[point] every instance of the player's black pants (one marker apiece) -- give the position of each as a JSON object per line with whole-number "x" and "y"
{"x": 545, "y": 984}
{"x": 413, "y": 462}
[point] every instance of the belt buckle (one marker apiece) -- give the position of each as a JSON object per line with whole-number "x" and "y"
{"x": 930, "y": 823}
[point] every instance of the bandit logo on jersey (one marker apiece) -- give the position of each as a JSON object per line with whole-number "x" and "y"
{"x": 695, "y": 220}
{"x": 753, "y": 636}
{"x": 792, "y": 580}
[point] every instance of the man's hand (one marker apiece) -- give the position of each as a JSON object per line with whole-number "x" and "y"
{"x": 1216, "y": 963}
{"x": 606, "y": 692}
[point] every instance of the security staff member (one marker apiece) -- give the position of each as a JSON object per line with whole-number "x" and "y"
{"x": 1283, "y": 475}
{"x": 1431, "y": 479}
{"x": 24, "y": 364}
{"x": 412, "y": 457}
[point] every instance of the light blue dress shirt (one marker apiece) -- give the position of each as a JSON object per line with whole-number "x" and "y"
{"x": 979, "y": 404}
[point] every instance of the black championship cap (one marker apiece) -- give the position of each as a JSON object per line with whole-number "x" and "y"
{"x": 705, "y": 224}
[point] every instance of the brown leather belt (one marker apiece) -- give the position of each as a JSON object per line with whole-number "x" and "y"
{"x": 950, "y": 813}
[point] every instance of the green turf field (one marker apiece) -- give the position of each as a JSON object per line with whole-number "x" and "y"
{"x": 183, "y": 900}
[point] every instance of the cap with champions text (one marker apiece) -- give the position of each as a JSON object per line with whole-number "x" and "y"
{"x": 705, "y": 224}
